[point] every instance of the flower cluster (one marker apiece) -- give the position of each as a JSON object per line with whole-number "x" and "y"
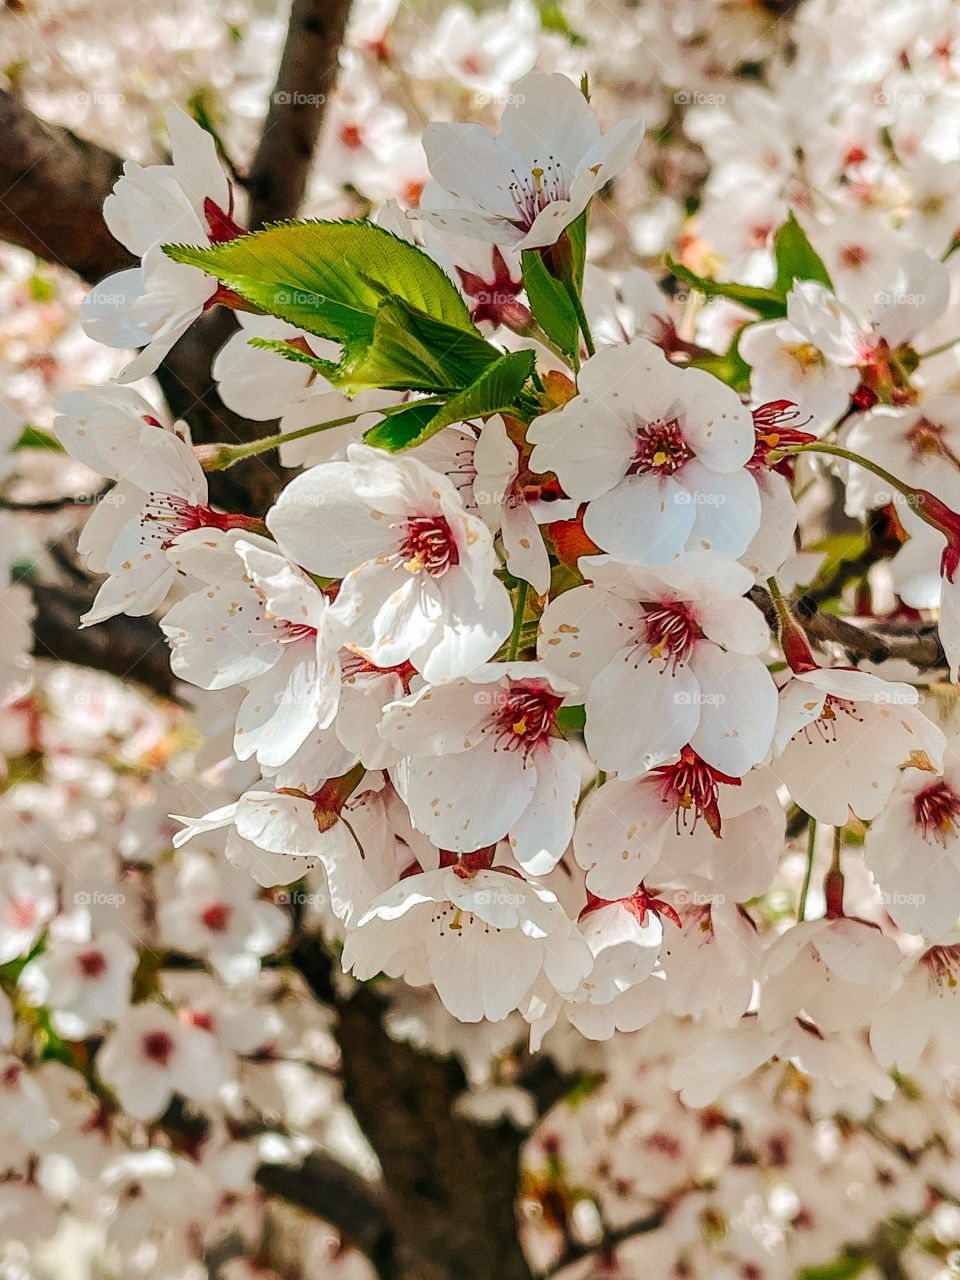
{"x": 592, "y": 680}
{"x": 513, "y": 656}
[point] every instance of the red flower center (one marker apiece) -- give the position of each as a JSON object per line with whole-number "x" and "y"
{"x": 167, "y": 515}
{"x": 833, "y": 708}
{"x": 692, "y": 786}
{"x": 524, "y": 718}
{"x": 92, "y": 964}
{"x": 545, "y": 185}
{"x": 937, "y": 810}
{"x": 943, "y": 964}
{"x": 661, "y": 449}
{"x": 158, "y": 1047}
{"x": 775, "y": 425}
{"x": 670, "y": 632}
{"x": 428, "y": 546}
{"x": 217, "y": 917}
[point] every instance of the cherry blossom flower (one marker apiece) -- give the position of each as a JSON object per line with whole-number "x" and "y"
{"x": 503, "y": 507}
{"x": 671, "y": 651}
{"x": 622, "y": 826}
{"x": 484, "y": 758}
{"x": 86, "y": 982}
{"x": 842, "y": 737}
{"x": 188, "y": 201}
{"x": 417, "y": 570}
{"x": 261, "y": 622}
{"x": 828, "y": 969}
{"x": 151, "y": 1055}
{"x": 658, "y": 453}
{"x": 482, "y": 938}
{"x": 524, "y": 187}
{"x": 920, "y": 1009}
{"x": 161, "y": 493}
{"x": 213, "y": 910}
{"x": 912, "y": 849}
{"x": 622, "y": 991}
{"x": 27, "y": 901}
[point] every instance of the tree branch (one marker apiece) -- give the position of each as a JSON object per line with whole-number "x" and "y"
{"x": 919, "y": 646}
{"x": 129, "y": 648}
{"x": 52, "y": 188}
{"x": 307, "y": 74}
{"x": 327, "y": 1189}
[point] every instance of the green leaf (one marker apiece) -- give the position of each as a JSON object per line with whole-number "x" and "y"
{"x": 569, "y": 719}
{"x": 730, "y": 367}
{"x": 577, "y": 235}
{"x": 796, "y": 257}
{"x": 401, "y": 430}
{"x": 34, "y": 438}
{"x": 297, "y": 354}
{"x": 550, "y": 304}
{"x": 494, "y": 391}
{"x": 330, "y": 278}
{"x": 842, "y": 1269}
{"x": 769, "y": 304}
{"x": 411, "y": 351}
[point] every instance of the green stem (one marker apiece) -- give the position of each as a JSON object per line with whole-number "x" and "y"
{"x": 811, "y": 841}
{"x": 935, "y": 351}
{"x": 517, "y": 622}
{"x": 532, "y": 329}
{"x": 222, "y": 456}
{"x": 581, "y": 318}
{"x": 779, "y": 603}
{"x": 837, "y": 451}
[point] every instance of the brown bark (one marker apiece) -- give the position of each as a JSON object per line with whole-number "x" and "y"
{"x": 305, "y": 80}
{"x": 52, "y": 188}
{"x": 325, "y": 1188}
{"x": 129, "y": 648}
{"x": 450, "y": 1184}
